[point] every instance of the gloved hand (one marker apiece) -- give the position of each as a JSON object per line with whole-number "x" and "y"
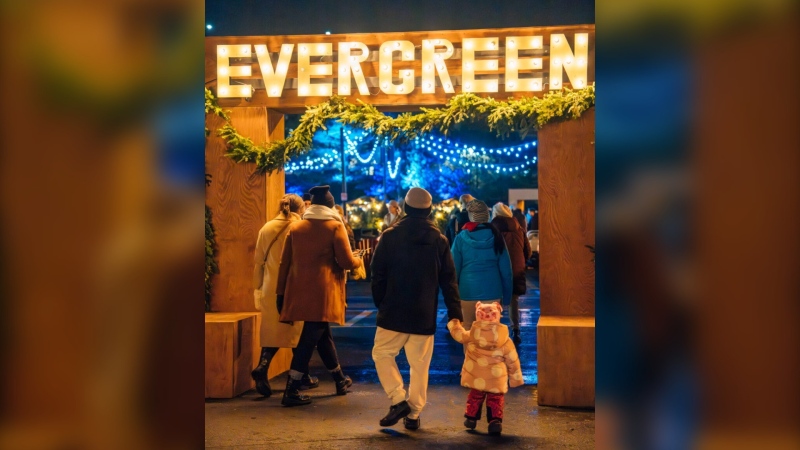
{"x": 280, "y": 303}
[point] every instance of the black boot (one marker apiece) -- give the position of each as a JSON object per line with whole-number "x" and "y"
{"x": 292, "y": 395}
{"x": 309, "y": 382}
{"x": 342, "y": 382}
{"x": 515, "y": 337}
{"x": 259, "y": 374}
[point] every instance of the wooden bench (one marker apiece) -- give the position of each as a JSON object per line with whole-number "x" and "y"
{"x": 229, "y": 352}
{"x": 566, "y": 361}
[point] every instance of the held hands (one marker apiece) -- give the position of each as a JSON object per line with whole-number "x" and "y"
{"x": 453, "y": 323}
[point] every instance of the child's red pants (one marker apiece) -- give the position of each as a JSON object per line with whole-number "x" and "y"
{"x": 494, "y": 405}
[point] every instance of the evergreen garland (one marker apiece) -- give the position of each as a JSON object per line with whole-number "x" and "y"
{"x": 519, "y": 116}
{"x": 211, "y": 264}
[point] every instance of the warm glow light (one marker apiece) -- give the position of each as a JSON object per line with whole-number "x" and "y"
{"x": 512, "y": 63}
{"x": 400, "y": 88}
{"x": 303, "y": 49}
{"x": 491, "y": 44}
{"x": 397, "y": 44}
{"x": 274, "y": 91}
{"x": 468, "y": 86}
{"x": 448, "y": 85}
{"x": 428, "y": 85}
{"x": 427, "y": 67}
{"x": 385, "y": 85}
{"x": 557, "y": 61}
{"x": 260, "y": 49}
{"x": 468, "y": 44}
{"x": 223, "y": 91}
{"x": 223, "y": 51}
{"x": 510, "y": 42}
{"x": 245, "y": 50}
{"x": 492, "y": 64}
{"x": 245, "y": 90}
{"x": 304, "y": 90}
{"x": 581, "y": 39}
{"x": 223, "y": 71}
{"x": 436, "y": 42}
{"x": 579, "y": 83}
{"x": 468, "y": 66}
{"x": 581, "y": 61}
{"x": 408, "y": 55}
{"x": 556, "y": 39}
{"x": 320, "y": 48}
{"x": 536, "y": 42}
{"x": 511, "y": 84}
{"x": 568, "y": 60}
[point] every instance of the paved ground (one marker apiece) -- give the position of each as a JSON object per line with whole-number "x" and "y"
{"x": 351, "y": 421}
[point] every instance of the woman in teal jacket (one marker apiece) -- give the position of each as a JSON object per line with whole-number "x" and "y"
{"x": 483, "y": 267}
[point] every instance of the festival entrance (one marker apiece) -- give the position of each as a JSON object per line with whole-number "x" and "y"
{"x": 511, "y": 80}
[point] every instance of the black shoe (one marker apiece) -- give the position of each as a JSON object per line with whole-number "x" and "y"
{"x": 495, "y": 428}
{"x": 343, "y": 385}
{"x": 292, "y": 395}
{"x": 411, "y": 424}
{"x": 342, "y": 382}
{"x": 515, "y": 337}
{"x": 396, "y": 412}
{"x": 309, "y": 382}
{"x": 469, "y": 423}
{"x": 259, "y": 374}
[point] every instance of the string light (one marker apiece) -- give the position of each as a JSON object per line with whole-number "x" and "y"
{"x": 393, "y": 173}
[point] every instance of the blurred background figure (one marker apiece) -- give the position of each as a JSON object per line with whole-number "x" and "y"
{"x": 393, "y": 216}
{"x": 519, "y": 251}
{"x": 350, "y": 234}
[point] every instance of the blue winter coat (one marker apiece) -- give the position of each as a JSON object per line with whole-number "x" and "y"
{"x": 481, "y": 273}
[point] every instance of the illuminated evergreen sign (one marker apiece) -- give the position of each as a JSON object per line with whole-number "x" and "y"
{"x": 487, "y": 64}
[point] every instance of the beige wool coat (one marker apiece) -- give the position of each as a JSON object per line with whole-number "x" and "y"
{"x": 312, "y": 272}
{"x": 491, "y": 362}
{"x": 273, "y": 333}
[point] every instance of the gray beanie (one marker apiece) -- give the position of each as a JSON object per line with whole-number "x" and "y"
{"x": 478, "y": 211}
{"x": 501, "y": 210}
{"x": 418, "y": 198}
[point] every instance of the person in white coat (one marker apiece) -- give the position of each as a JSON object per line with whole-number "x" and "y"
{"x": 274, "y": 334}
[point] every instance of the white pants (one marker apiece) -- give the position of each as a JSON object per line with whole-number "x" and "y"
{"x": 419, "y": 350}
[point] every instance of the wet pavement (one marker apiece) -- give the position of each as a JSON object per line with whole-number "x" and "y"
{"x": 351, "y": 421}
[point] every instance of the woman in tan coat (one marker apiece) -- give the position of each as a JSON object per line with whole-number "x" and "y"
{"x": 274, "y": 334}
{"x": 311, "y": 288}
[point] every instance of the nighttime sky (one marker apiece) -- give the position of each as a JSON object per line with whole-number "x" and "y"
{"x": 271, "y": 17}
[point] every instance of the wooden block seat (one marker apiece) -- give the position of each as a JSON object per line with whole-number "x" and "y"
{"x": 566, "y": 361}
{"x": 229, "y": 340}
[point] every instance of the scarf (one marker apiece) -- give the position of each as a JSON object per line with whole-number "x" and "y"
{"x": 321, "y": 212}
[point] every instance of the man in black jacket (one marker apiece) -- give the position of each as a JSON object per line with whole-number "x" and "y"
{"x": 411, "y": 263}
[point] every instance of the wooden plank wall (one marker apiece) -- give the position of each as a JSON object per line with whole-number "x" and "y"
{"x": 237, "y": 200}
{"x": 566, "y": 217}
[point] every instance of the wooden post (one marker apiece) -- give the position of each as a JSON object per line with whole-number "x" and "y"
{"x": 566, "y": 226}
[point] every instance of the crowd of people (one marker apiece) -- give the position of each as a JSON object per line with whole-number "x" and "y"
{"x": 301, "y": 261}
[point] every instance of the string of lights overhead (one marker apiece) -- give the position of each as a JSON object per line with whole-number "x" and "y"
{"x": 469, "y": 156}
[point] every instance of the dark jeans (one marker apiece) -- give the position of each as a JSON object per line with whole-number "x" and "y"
{"x": 315, "y": 334}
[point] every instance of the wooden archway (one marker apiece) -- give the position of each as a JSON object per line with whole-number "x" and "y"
{"x": 242, "y": 202}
